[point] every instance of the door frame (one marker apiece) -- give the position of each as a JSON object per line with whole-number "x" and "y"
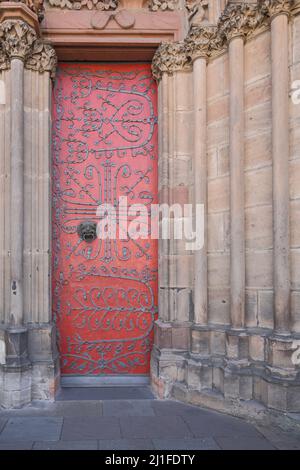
{"x": 75, "y": 39}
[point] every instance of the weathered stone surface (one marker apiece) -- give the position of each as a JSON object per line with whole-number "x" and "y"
{"x": 258, "y": 46}
{"x": 219, "y": 305}
{"x": 218, "y": 270}
{"x": 258, "y": 152}
{"x": 258, "y": 187}
{"x": 295, "y": 311}
{"x": 218, "y": 194}
{"x": 265, "y": 308}
{"x": 259, "y": 226}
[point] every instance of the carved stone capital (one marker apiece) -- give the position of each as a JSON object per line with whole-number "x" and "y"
{"x": 241, "y": 20}
{"x": 200, "y": 41}
{"x": 296, "y": 7}
{"x": 276, "y": 7}
{"x": 4, "y": 61}
{"x": 169, "y": 58}
{"x": 17, "y": 38}
{"x": 42, "y": 58}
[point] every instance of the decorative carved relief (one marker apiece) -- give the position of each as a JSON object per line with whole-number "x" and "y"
{"x": 102, "y": 5}
{"x": 197, "y": 12}
{"x": 124, "y": 18}
{"x": 155, "y": 5}
{"x": 18, "y": 40}
{"x": 169, "y": 58}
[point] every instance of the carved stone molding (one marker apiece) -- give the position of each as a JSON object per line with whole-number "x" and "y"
{"x": 18, "y": 40}
{"x": 169, "y": 58}
{"x": 102, "y": 5}
{"x": 163, "y": 5}
{"x": 37, "y": 6}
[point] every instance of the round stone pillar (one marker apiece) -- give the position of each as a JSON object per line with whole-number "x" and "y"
{"x": 236, "y": 155}
{"x": 280, "y": 153}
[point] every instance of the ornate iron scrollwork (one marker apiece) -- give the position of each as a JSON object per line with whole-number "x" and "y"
{"x": 87, "y": 231}
{"x": 104, "y": 148}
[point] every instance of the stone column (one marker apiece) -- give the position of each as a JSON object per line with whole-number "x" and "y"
{"x": 17, "y": 37}
{"x": 199, "y": 47}
{"x": 163, "y": 165}
{"x": 198, "y": 44}
{"x": 21, "y": 346}
{"x": 200, "y": 182}
{"x": 17, "y": 191}
{"x": 280, "y": 152}
{"x": 172, "y": 70}
{"x": 236, "y": 150}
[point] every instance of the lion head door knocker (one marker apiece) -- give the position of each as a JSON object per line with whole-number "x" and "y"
{"x": 87, "y": 231}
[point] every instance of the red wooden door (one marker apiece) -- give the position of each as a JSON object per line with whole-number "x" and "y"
{"x": 104, "y": 147}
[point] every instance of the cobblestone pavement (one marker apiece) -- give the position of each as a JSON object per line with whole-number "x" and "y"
{"x": 89, "y": 419}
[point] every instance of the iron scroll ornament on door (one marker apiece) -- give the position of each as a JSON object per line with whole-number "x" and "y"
{"x": 87, "y": 231}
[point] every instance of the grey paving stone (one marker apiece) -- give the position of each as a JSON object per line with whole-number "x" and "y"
{"x": 126, "y": 444}
{"x": 59, "y": 408}
{"x": 282, "y": 440}
{"x": 186, "y": 444}
{"x": 168, "y": 407}
{"x": 66, "y": 445}
{"x": 77, "y": 409}
{"x": 105, "y": 393}
{"x": 216, "y": 424}
{"x": 244, "y": 443}
{"x": 2, "y": 423}
{"x": 77, "y": 429}
{"x": 128, "y": 408}
{"x": 32, "y": 429}
{"x": 16, "y": 445}
{"x": 154, "y": 427}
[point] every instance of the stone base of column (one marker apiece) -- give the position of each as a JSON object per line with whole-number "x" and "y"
{"x": 29, "y": 368}
{"x": 15, "y": 370}
{"x": 45, "y": 361}
{"x": 171, "y": 345}
{"x": 231, "y": 371}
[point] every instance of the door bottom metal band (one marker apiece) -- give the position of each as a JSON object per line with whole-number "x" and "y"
{"x": 105, "y": 381}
